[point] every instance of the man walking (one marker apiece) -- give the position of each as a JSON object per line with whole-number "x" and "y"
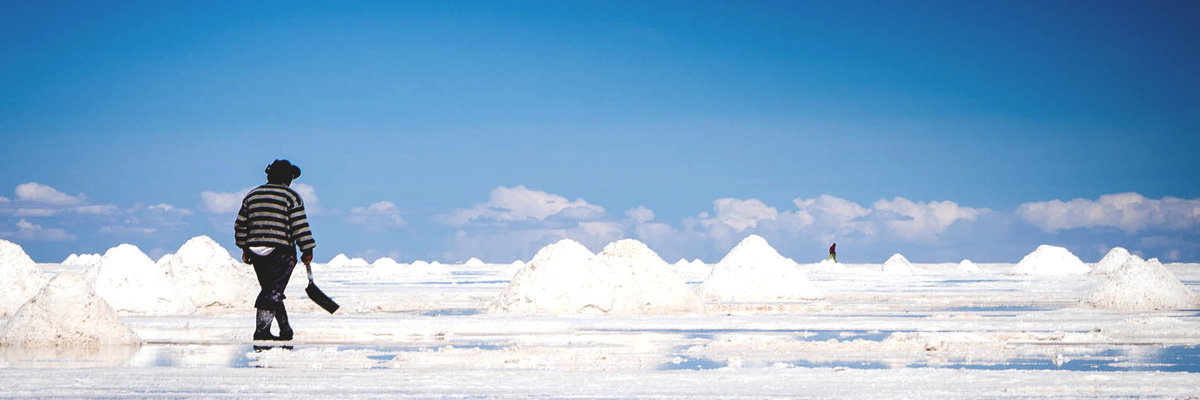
{"x": 269, "y": 227}
{"x": 833, "y": 252}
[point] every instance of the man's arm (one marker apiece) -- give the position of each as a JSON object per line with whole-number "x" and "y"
{"x": 301, "y": 234}
{"x": 241, "y": 231}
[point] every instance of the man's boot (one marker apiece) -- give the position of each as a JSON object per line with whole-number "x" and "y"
{"x": 262, "y": 325}
{"x": 285, "y": 329}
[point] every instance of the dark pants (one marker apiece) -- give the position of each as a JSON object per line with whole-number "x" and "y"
{"x": 273, "y": 270}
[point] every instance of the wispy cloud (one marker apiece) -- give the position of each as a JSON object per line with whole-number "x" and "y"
{"x": 1130, "y": 212}
{"x": 377, "y": 217}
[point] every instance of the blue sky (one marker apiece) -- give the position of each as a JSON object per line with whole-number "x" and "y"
{"x": 444, "y": 130}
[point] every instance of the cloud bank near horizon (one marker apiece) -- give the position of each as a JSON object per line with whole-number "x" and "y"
{"x": 513, "y": 222}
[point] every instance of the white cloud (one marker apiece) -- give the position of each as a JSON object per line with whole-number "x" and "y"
{"x": 1130, "y": 212}
{"x": 640, "y": 215}
{"x": 147, "y": 220}
{"x": 38, "y": 193}
{"x": 33, "y": 232}
{"x": 4, "y": 200}
{"x": 520, "y": 203}
{"x": 222, "y": 202}
{"x": 743, "y": 214}
{"x": 376, "y": 217}
{"x": 924, "y": 220}
{"x": 97, "y": 209}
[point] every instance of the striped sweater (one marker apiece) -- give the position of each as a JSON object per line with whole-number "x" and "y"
{"x": 272, "y": 215}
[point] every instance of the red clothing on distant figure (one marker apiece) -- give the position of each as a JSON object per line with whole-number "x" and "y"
{"x": 832, "y": 249}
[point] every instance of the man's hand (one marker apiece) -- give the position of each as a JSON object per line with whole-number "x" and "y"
{"x": 306, "y": 257}
{"x": 246, "y": 257}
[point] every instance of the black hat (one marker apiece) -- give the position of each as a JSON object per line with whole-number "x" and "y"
{"x": 283, "y": 169}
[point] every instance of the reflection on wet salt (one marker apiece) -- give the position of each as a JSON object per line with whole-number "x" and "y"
{"x": 68, "y": 356}
{"x": 452, "y": 312}
{"x": 997, "y": 308}
{"x": 691, "y": 364}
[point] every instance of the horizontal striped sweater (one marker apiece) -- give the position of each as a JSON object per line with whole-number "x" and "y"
{"x": 272, "y": 215}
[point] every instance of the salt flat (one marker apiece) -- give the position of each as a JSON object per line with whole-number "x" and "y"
{"x": 936, "y": 333}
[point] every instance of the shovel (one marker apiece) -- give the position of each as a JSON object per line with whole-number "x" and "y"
{"x": 317, "y": 295}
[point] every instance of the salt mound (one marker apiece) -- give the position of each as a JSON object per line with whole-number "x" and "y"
{"x": 385, "y": 263}
{"x": 341, "y": 261}
{"x": 474, "y": 262}
{"x": 1111, "y": 261}
{"x": 897, "y": 264}
{"x": 81, "y": 260}
{"x": 633, "y": 252}
{"x": 67, "y": 313}
{"x": 130, "y": 282}
{"x": 754, "y": 271}
{"x": 419, "y": 264}
{"x": 828, "y": 266}
{"x": 204, "y": 272}
{"x": 20, "y": 277}
{"x": 967, "y": 267}
{"x": 698, "y": 263}
{"x": 1050, "y": 261}
{"x": 565, "y": 277}
{"x": 1141, "y": 285}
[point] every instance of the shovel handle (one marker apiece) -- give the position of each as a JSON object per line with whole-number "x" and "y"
{"x": 308, "y": 268}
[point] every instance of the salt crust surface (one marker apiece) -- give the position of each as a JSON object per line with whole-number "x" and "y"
{"x": 1141, "y": 285}
{"x": 1111, "y": 261}
{"x": 1049, "y": 260}
{"x": 67, "y": 313}
{"x": 897, "y": 264}
{"x": 210, "y": 277}
{"x": 626, "y": 278}
{"x": 967, "y": 267}
{"x": 752, "y": 272}
{"x": 131, "y": 283}
{"x": 20, "y": 277}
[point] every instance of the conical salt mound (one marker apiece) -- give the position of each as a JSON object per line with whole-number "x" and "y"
{"x": 1049, "y": 260}
{"x": 130, "y": 282}
{"x": 67, "y": 313}
{"x": 338, "y": 261}
{"x": 474, "y": 262}
{"x": 967, "y": 267}
{"x": 565, "y": 277}
{"x": 1141, "y": 285}
{"x": 20, "y": 277}
{"x": 632, "y": 251}
{"x": 1111, "y": 261}
{"x": 827, "y": 266}
{"x": 385, "y": 263}
{"x": 754, "y": 271}
{"x": 81, "y": 260}
{"x": 897, "y": 264}
{"x": 206, "y": 273}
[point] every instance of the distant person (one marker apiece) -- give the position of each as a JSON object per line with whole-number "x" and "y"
{"x": 269, "y": 227}
{"x": 833, "y": 252}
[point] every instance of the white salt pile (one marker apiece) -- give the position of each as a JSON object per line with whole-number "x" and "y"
{"x": 474, "y": 262}
{"x": 967, "y": 267}
{"x": 1141, "y": 285}
{"x": 754, "y": 271}
{"x": 827, "y": 266}
{"x": 20, "y": 277}
{"x": 1111, "y": 261}
{"x": 897, "y": 264}
{"x": 207, "y": 274}
{"x": 565, "y": 277}
{"x": 130, "y": 282}
{"x": 385, "y": 263}
{"x": 1049, "y": 260}
{"x": 419, "y": 264}
{"x": 341, "y": 261}
{"x": 67, "y": 313}
{"x": 81, "y": 260}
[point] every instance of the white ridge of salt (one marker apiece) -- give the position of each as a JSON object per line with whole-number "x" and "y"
{"x": 1049, "y": 260}
{"x": 67, "y": 313}
{"x": 131, "y": 283}
{"x": 566, "y": 277}
{"x": 20, "y": 277}
{"x": 683, "y": 262}
{"x": 385, "y": 263}
{"x": 897, "y": 264}
{"x": 208, "y": 275}
{"x": 1141, "y": 285}
{"x": 419, "y": 264}
{"x": 338, "y": 261}
{"x": 827, "y": 266}
{"x": 967, "y": 266}
{"x": 81, "y": 260}
{"x": 754, "y": 271}
{"x": 1111, "y": 261}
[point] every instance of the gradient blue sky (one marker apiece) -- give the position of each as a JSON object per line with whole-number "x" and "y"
{"x": 671, "y": 106}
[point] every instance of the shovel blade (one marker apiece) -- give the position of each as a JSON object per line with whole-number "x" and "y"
{"x": 320, "y": 298}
